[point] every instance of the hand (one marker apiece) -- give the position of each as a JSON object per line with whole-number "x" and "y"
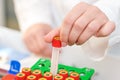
{"x": 83, "y": 22}
{"x": 34, "y": 39}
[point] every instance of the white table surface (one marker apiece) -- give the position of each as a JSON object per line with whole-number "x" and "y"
{"x": 107, "y": 69}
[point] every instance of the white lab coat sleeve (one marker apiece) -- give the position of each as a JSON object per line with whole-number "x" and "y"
{"x": 112, "y": 9}
{"x": 30, "y": 12}
{"x": 98, "y": 47}
{"x": 10, "y": 38}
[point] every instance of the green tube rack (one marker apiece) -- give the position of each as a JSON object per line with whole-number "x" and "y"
{"x": 44, "y": 66}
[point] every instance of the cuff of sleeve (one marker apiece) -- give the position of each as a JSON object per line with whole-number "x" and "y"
{"x": 114, "y": 47}
{"x": 112, "y": 12}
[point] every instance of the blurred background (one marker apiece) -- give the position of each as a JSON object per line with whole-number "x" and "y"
{"x": 10, "y": 39}
{"x": 7, "y": 14}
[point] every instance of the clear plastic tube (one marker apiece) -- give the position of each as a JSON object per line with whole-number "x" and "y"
{"x": 54, "y": 60}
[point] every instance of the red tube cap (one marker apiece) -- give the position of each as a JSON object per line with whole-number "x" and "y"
{"x": 56, "y": 42}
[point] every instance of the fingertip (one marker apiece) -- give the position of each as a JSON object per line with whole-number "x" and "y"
{"x": 64, "y": 44}
{"x": 106, "y": 30}
{"x": 63, "y": 37}
{"x": 112, "y": 25}
{"x": 47, "y": 38}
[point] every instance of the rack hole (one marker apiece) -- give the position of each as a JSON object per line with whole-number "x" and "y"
{"x": 41, "y": 65}
{"x": 82, "y": 74}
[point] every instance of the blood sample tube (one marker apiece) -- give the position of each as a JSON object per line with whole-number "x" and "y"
{"x": 20, "y": 76}
{"x": 69, "y": 78}
{"x": 58, "y": 77}
{"x": 26, "y": 71}
{"x": 64, "y": 73}
{"x": 48, "y": 75}
{"x": 31, "y": 77}
{"x": 75, "y": 75}
{"x": 37, "y": 73}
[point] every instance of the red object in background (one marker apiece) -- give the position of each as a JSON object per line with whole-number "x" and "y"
{"x": 63, "y": 73}
{"x": 48, "y": 75}
{"x": 9, "y": 77}
{"x": 56, "y": 42}
{"x": 26, "y": 71}
{"x": 37, "y": 73}
{"x": 75, "y": 75}
{"x": 2, "y": 71}
{"x": 20, "y": 76}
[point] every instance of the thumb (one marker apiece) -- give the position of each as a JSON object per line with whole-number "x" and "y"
{"x": 49, "y": 37}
